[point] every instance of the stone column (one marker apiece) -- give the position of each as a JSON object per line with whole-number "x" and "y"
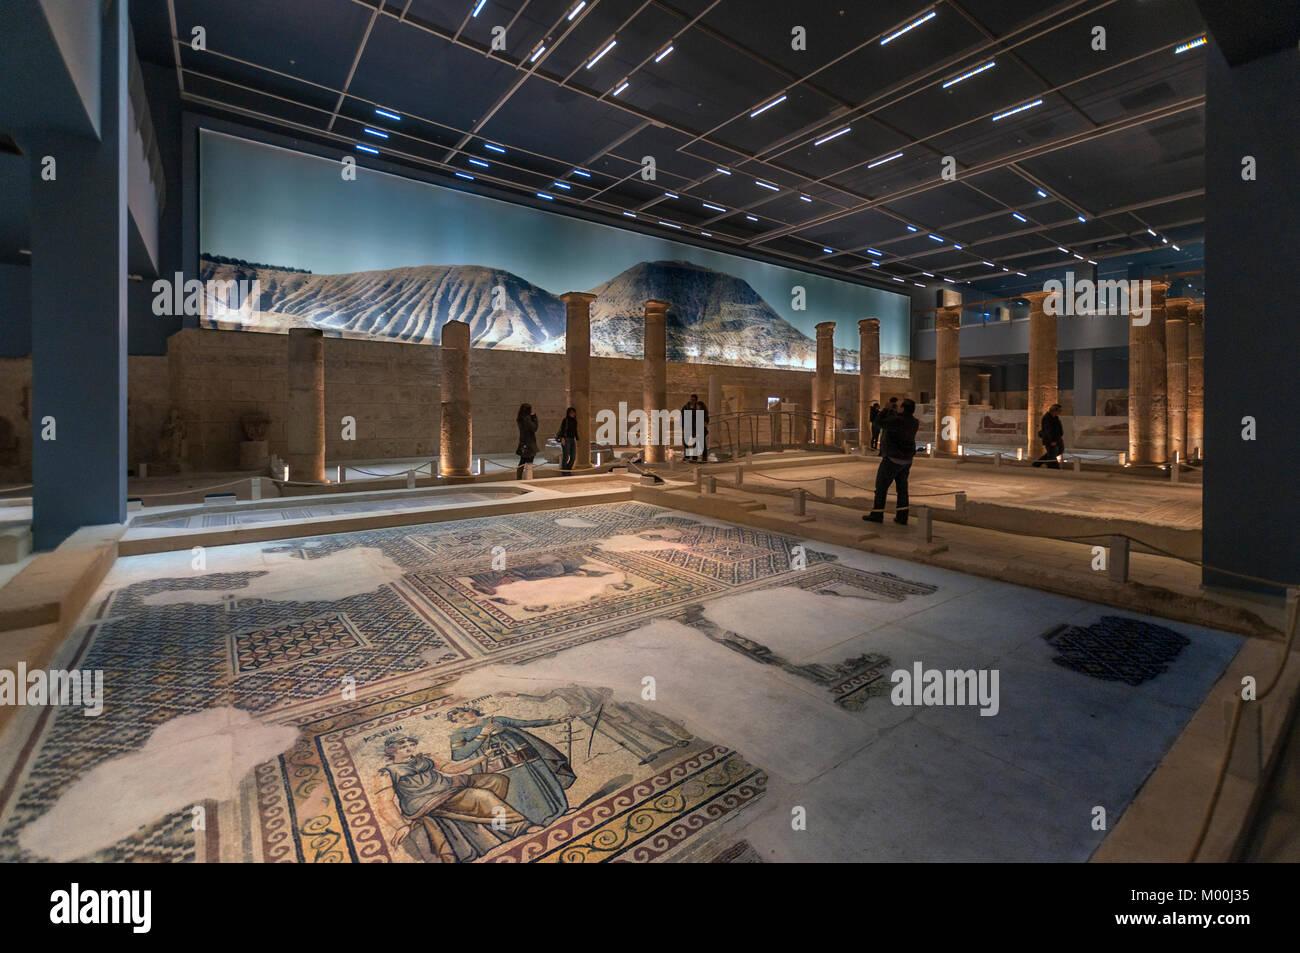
{"x": 1196, "y": 380}
{"x": 1148, "y": 409}
{"x": 824, "y": 383}
{"x": 305, "y": 423}
{"x": 1176, "y": 375}
{"x": 457, "y": 419}
{"x": 654, "y": 380}
{"x": 577, "y": 357}
{"x": 1043, "y": 384}
{"x": 868, "y": 374}
{"x": 985, "y": 388}
{"x": 947, "y": 373}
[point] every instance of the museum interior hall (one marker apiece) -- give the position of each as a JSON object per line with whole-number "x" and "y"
{"x": 477, "y": 431}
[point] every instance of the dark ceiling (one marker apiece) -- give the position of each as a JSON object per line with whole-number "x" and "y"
{"x": 1115, "y": 146}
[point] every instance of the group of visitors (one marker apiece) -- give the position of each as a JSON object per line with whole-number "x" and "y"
{"x": 893, "y": 434}
{"x": 567, "y": 436}
{"x": 694, "y": 444}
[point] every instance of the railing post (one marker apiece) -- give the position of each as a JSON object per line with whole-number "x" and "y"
{"x": 997, "y": 459}
{"x": 799, "y": 503}
{"x": 924, "y": 522}
{"x": 255, "y": 488}
{"x": 740, "y": 476}
{"x": 830, "y": 488}
{"x": 959, "y": 503}
{"x": 711, "y": 484}
{"x": 1119, "y": 558}
{"x": 1078, "y": 464}
{"x": 410, "y": 479}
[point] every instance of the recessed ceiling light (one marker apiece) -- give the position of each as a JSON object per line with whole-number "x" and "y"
{"x": 1183, "y": 48}
{"x": 576, "y": 10}
{"x": 911, "y": 26}
{"x": 950, "y": 281}
{"x": 1017, "y": 109}
{"x": 371, "y": 149}
{"x": 762, "y": 109}
{"x": 956, "y": 246}
{"x": 481, "y": 4}
{"x": 1022, "y": 274}
{"x": 543, "y": 195}
{"x": 936, "y": 238}
{"x": 1091, "y": 262}
{"x": 1082, "y": 219}
{"x": 563, "y": 185}
{"x": 883, "y": 161}
{"x": 722, "y": 170}
{"x": 386, "y": 114}
{"x": 1152, "y": 234}
{"x": 479, "y": 162}
{"x": 630, "y": 214}
{"x": 669, "y": 224}
{"x": 710, "y": 205}
{"x": 376, "y": 132}
{"x": 672, "y": 195}
{"x": 596, "y": 59}
{"x": 661, "y": 56}
{"x": 751, "y": 218}
{"x": 968, "y": 74}
{"x": 488, "y": 145}
{"x": 829, "y": 251}
{"x": 899, "y": 280}
{"x": 872, "y": 251}
{"x": 541, "y": 48}
{"x": 585, "y": 175}
{"x": 805, "y": 198}
{"x": 625, "y": 84}
{"x": 707, "y": 234}
{"x": 1017, "y": 215}
{"x": 766, "y": 185}
{"x": 927, "y": 274}
{"x": 990, "y": 264}
{"x": 1042, "y": 194}
{"x": 465, "y": 175}
{"x": 1066, "y": 250}
{"x": 1175, "y": 248}
{"x": 833, "y": 135}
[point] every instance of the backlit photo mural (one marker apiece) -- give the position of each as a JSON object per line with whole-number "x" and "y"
{"x": 389, "y": 258}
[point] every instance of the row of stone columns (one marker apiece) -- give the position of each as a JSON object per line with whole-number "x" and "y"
{"x": 306, "y": 378}
{"x": 1166, "y": 406}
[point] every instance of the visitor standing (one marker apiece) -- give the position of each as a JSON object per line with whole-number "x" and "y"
{"x": 874, "y": 421}
{"x": 1052, "y": 433}
{"x": 527, "y": 449}
{"x": 897, "y": 448}
{"x": 694, "y": 437}
{"x": 568, "y": 437}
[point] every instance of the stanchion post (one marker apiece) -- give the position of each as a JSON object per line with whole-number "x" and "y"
{"x": 830, "y": 488}
{"x": 711, "y": 484}
{"x": 1119, "y": 558}
{"x": 410, "y": 479}
{"x": 1078, "y": 464}
{"x": 799, "y": 505}
{"x": 997, "y": 459}
{"x": 255, "y": 488}
{"x": 959, "y": 503}
{"x": 740, "y": 476}
{"x": 924, "y": 523}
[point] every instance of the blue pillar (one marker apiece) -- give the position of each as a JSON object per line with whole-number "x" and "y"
{"x": 1085, "y": 386}
{"x": 1250, "y": 507}
{"x": 78, "y": 300}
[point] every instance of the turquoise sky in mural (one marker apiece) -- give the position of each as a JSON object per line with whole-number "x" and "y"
{"x": 278, "y": 207}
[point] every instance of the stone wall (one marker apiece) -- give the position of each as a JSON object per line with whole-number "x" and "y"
{"x": 392, "y": 390}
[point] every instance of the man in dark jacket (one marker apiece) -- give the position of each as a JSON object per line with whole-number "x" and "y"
{"x": 1052, "y": 434}
{"x": 885, "y": 414}
{"x": 875, "y": 423}
{"x": 897, "y": 448}
{"x": 695, "y": 430}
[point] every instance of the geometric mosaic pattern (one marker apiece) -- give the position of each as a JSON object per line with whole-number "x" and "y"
{"x": 263, "y": 649}
{"x": 1117, "y": 649}
{"x": 571, "y": 576}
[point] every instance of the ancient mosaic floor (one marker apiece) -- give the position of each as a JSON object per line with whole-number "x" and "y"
{"x": 615, "y": 682}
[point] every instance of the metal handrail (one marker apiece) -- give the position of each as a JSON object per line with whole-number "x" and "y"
{"x": 743, "y": 431}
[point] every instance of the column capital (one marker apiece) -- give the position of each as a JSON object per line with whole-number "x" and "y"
{"x": 654, "y": 304}
{"x": 577, "y": 297}
{"x": 947, "y": 318}
{"x": 1196, "y": 312}
{"x": 825, "y": 328}
{"x": 1177, "y": 309}
{"x": 454, "y": 334}
{"x": 869, "y": 324}
{"x": 1036, "y": 299}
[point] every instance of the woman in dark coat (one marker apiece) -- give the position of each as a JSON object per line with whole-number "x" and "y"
{"x": 527, "y": 449}
{"x": 568, "y": 437}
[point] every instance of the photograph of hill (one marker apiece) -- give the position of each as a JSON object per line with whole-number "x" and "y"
{"x": 431, "y": 255}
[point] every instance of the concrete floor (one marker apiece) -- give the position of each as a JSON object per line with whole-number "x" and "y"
{"x": 696, "y": 689}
